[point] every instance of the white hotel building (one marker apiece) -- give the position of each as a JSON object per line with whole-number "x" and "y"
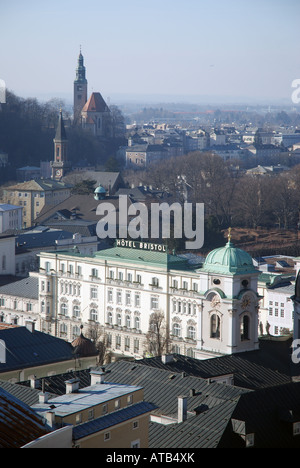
{"x": 209, "y": 310}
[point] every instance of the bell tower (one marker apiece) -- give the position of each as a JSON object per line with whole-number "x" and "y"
{"x": 60, "y": 165}
{"x": 80, "y": 89}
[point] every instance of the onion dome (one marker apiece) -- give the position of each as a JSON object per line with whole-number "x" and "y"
{"x": 84, "y": 347}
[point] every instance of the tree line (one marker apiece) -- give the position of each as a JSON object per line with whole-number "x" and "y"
{"x": 231, "y": 197}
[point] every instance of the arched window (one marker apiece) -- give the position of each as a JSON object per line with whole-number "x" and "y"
{"x": 176, "y": 330}
{"x": 245, "y": 326}
{"x": 109, "y": 318}
{"x": 119, "y": 320}
{"x": 4, "y": 262}
{"x": 137, "y": 323}
{"x": 215, "y": 324}
{"x": 128, "y": 321}
{"x": 94, "y": 315}
{"x": 76, "y": 311}
{"x": 64, "y": 309}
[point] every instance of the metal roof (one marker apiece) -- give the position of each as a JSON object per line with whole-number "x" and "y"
{"x": 25, "y": 349}
{"x": 27, "y": 288}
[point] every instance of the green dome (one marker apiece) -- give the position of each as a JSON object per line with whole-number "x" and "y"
{"x": 229, "y": 260}
{"x": 100, "y": 189}
{"x": 99, "y": 193}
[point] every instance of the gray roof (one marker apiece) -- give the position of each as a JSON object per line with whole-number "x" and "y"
{"x": 25, "y": 349}
{"x": 27, "y": 288}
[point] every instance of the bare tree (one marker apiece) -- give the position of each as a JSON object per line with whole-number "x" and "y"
{"x": 97, "y": 334}
{"x": 157, "y": 339}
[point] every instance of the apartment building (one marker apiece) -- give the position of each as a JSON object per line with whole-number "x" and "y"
{"x": 34, "y": 195}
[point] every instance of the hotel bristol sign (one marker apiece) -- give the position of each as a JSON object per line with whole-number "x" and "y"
{"x": 140, "y": 245}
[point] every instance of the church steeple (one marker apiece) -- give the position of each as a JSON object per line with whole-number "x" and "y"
{"x": 80, "y": 88}
{"x": 60, "y": 163}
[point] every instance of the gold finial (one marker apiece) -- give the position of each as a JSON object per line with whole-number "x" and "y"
{"x": 229, "y": 234}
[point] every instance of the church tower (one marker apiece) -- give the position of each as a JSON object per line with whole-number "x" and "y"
{"x": 80, "y": 90}
{"x": 60, "y": 165}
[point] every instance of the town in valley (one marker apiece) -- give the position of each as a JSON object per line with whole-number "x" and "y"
{"x": 119, "y": 329}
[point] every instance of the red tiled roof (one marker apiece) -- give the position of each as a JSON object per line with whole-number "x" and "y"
{"x": 95, "y": 103}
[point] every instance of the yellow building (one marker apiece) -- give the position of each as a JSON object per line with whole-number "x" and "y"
{"x": 103, "y": 415}
{"x": 34, "y": 195}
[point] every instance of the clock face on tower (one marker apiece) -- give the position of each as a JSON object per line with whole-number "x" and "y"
{"x": 58, "y": 173}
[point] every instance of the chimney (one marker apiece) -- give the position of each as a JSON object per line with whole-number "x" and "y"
{"x": 72, "y": 386}
{"x": 50, "y": 418}
{"x": 167, "y": 358}
{"x": 182, "y": 408}
{"x": 34, "y": 382}
{"x": 97, "y": 377}
{"x": 43, "y": 398}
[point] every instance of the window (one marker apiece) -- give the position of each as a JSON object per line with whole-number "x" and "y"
{"x": 94, "y": 315}
{"x": 136, "y": 345}
{"x": 155, "y": 282}
{"x": 91, "y": 415}
{"x": 129, "y": 400}
{"x": 191, "y": 332}
{"x": 104, "y": 409}
{"x": 245, "y": 322}
{"x": 111, "y": 274}
{"x": 128, "y": 298}
{"x": 119, "y": 320}
{"x": 136, "y": 444}
{"x": 176, "y": 330}
{"x": 215, "y": 323}
{"x": 137, "y": 300}
{"x": 139, "y": 279}
{"x": 129, "y": 277}
{"x": 154, "y": 303}
{"x": 119, "y": 297}
{"x": 117, "y": 404}
{"x": 94, "y": 293}
{"x": 135, "y": 425}
{"x": 137, "y": 323}
{"x": 195, "y": 287}
{"x": 185, "y": 285}
{"x": 47, "y": 267}
{"x": 118, "y": 342}
{"x": 296, "y": 428}
{"x": 109, "y": 295}
{"x": 128, "y": 321}
{"x": 4, "y": 262}
{"x": 127, "y": 344}
{"x": 175, "y": 284}
{"x": 109, "y": 318}
{"x": 78, "y": 418}
{"x": 121, "y": 275}
{"x": 64, "y": 309}
{"x": 106, "y": 436}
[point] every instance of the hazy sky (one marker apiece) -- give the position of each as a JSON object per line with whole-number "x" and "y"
{"x": 231, "y": 48}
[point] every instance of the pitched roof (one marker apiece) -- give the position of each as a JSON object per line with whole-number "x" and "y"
{"x": 39, "y": 185}
{"x": 19, "y": 424}
{"x": 25, "y": 349}
{"x": 95, "y": 103}
{"x": 27, "y": 288}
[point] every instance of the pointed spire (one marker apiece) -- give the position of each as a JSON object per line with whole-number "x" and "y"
{"x": 60, "y": 130}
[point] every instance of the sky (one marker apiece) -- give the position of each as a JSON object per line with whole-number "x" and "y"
{"x": 235, "y": 50}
